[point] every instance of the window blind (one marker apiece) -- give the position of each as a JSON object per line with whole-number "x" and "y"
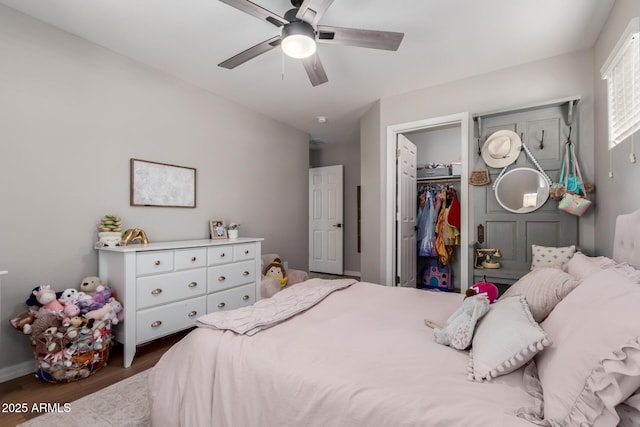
{"x": 622, "y": 73}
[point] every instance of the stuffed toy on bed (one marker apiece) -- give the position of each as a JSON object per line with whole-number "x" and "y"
{"x": 484, "y": 288}
{"x": 458, "y": 331}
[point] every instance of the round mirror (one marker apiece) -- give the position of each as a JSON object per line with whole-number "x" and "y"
{"x": 522, "y": 190}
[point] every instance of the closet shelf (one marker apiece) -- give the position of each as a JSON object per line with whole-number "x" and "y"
{"x": 440, "y": 179}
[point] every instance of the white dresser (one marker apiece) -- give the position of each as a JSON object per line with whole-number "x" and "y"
{"x": 165, "y": 286}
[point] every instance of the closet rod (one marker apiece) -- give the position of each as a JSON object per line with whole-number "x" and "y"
{"x": 443, "y": 179}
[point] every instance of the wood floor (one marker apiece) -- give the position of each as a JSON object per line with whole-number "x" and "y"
{"x": 29, "y": 390}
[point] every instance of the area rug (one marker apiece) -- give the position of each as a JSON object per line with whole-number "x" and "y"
{"x": 121, "y": 404}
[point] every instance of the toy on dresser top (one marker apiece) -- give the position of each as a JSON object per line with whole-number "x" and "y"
{"x": 70, "y": 331}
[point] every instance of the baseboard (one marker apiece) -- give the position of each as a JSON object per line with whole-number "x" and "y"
{"x": 352, "y": 273}
{"x": 16, "y": 371}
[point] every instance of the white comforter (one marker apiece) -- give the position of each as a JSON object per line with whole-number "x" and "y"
{"x": 360, "y": 357}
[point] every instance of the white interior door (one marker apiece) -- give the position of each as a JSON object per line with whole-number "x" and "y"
{"x": 326, "y": 219}
{"x": 406, "y": 213}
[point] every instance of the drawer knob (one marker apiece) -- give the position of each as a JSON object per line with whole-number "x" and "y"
{"x": 193, "y": 313}
{"x": 157, "y": 262}
{"x": 246, "y": 297}
{"x": 221, "y": 305}
{"x": 246, "y": 252}
{"x": 193, "y": 259}
{"x": 193, "y": 284}
{"x": 246, "y": 273}
{"x": 156, "y": 291}
{"x": 156, "y": 324}
{"x": 222, "y": 255}
{"x": 221, "y": 279}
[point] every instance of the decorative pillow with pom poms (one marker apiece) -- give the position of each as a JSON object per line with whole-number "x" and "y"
{"x": 505, "y": 339}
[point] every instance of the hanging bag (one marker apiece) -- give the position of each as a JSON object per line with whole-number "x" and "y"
{"x": 573, "y": 180}
{"x": 569, "y": 181}
{"x": 573, "y": 202}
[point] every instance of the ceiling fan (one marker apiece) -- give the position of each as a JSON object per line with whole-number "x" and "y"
{"x": 300, "y": 32}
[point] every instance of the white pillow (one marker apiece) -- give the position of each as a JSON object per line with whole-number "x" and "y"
{"x": 547, "y": 255}
{"x": 543, "y": 288}
{"x": 594, "y": 362}
{"x": 505, "y": 339}
{"x": 582, "y": 266}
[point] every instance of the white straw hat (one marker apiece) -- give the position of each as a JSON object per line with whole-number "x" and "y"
{"x": 501, "y": 149}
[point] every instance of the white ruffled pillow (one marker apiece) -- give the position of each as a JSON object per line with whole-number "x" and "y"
{"x": 594, "y": 362}
{"x": 542, "y": 256}
{"x": 505, "y": 339}
{"x": 582, "y": 266}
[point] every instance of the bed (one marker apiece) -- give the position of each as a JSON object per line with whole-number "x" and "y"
{"x": 562, "y": 349}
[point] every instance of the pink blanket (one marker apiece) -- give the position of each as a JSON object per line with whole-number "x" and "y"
{"x": 271, "y": 311}
{"x": 360, "y": 357}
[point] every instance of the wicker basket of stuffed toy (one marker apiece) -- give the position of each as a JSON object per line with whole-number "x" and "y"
{"x": 69, "y": 344}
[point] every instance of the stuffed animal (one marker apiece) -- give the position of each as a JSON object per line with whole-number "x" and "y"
{"x": 48, "y": 299}
{"x": 70, "y": 310}
{"x": 484, "y": 288}
{"x": 458, "y": 331}
{"x": 116, "y": 315}
{"x": 89, "y": 285}
{"x": 99, "y": 299}
{"x": 100, "y": 313}
{"x": 73, "y": 328}
{"x": 276, "y": 271}
{"x": 41, "y": 325}
{"x": 33, "y": 302}
{"x": 73, "y": 296}
{"x": 23, "y": 321}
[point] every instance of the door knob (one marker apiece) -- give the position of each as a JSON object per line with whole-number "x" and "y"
{"x": 337, "y": 225}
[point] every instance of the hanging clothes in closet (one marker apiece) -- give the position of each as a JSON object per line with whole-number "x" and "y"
{"x": 438, "y": 222}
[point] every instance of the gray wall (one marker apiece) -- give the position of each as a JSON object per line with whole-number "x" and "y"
{"x": 523, "y": 85}
{"x": 347, "y": 154}
{"x": 620, "y": 194}
{"x": 372, "y": 184}
{"x": 73, "y": 114}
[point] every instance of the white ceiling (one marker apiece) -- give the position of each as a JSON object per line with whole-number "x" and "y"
{"x": 445, "y": 40}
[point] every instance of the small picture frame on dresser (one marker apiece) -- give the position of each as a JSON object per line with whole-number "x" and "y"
{"x": 217, "y": 228}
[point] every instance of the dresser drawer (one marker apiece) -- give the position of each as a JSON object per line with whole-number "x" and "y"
{"x": 219, "y": 254}
{"x": 229, "y": 275}
{"x": 170, "y": 287}
{"x": 190, "y": 258}
{"x": 154, "y": 262}
{"x": 244, "y": 252}
{"x": 231, "y": 298}
{"x": 160, "y": 321}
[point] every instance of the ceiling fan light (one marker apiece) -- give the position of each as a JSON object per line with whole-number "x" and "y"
{"x": 298, "y": 40}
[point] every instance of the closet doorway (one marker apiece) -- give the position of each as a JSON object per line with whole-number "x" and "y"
{"x": 401, "y": 252}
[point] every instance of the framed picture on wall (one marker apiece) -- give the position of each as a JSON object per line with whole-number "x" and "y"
{"x": 218, "y": 230}
{"x": 161, "y": 184}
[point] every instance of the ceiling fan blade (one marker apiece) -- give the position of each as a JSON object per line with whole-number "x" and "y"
{"x": 312, "y": 10}
{"x": 315, "y": 70}
{"x": 251, "y": 53}
{"x": 386, "y": 40}
{"x": 257, "y": 11}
